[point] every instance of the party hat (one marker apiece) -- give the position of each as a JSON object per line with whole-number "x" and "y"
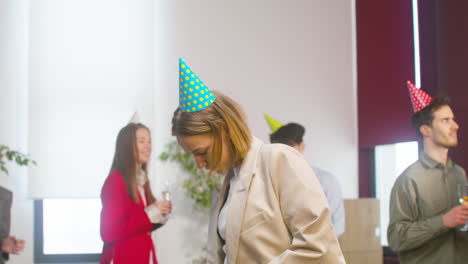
{"x": 135, "y": 118}
{"x": 419, "y": 98}
{"x": 274, "y": 125}
{"x": 193, "y": 94}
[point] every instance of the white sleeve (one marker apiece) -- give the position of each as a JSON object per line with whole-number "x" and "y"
{"x": 155, "y": 215}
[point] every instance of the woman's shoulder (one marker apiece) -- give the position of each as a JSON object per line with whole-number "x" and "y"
{"x": 114, "y": 179}
{"x": 279, "y": 150}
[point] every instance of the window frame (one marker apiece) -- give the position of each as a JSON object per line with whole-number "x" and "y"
{"x": 39, "y": 256}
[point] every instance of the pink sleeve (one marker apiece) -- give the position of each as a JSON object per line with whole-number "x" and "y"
{"x": 120, "y": 216}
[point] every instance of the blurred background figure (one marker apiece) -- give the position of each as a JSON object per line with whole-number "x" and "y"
{"x": 9, "y": 244}
{"x": 130, "y": 212}
{"x": 292, "y": 134}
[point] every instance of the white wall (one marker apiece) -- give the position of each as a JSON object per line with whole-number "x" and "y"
{"x": 292, "y": 60}
{"x": 13, "y": 115}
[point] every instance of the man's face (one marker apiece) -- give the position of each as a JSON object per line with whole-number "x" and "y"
{"x": 444, "y": 128}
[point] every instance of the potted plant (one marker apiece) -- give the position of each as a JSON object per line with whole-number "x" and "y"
{"x": 200, "y": 184}
{"x": 6, "y": 154}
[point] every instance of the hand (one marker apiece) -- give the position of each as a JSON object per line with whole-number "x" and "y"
{"x": 456, "y": 216}
{"x": 11, "y": 245}
{"x": 8, "y": 245}
{"x": 165, "y": 207}
{"x": 19, "y": 246}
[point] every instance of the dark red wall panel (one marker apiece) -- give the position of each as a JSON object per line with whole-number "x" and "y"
{"x": 384, "y": 63}
{"x": 444, "y": 68}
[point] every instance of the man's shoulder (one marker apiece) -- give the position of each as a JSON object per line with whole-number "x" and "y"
{"x": 411, "y": 175}
{"x": 5, "y": 194}
{"x": 321, "y": 173}
{"x": 459, "y": 169}
{"x": 413, "y": 171}
{"x": 326, "y": 178}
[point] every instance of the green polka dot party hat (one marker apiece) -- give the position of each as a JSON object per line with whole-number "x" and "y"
{"x": 193, "y": 93}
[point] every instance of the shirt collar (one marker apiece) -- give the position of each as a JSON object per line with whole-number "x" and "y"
{"x": 431, "y": 163}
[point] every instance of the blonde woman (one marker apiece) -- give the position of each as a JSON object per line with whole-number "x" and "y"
{"x": 268, "y": 211}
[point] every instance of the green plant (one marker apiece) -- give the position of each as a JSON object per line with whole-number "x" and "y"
{"x": 13, "y": 155}
{"x": 200, "y": 184}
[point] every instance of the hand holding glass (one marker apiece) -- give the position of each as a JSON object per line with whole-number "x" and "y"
{"x": 166, "y": 192}
{"x": 463, "y": 199}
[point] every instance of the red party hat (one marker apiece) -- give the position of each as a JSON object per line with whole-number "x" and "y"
{"x": 419, "y": 98}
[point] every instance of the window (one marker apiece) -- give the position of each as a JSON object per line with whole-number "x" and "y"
{"x": 390, "y": 162}
{"x": 67, "y": 230}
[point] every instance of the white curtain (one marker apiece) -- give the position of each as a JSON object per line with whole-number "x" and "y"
{"x": 91, "y": 67}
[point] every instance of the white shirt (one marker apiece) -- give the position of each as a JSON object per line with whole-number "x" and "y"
{"x": 223, "y": 214}
{"x": 332, "y": 190}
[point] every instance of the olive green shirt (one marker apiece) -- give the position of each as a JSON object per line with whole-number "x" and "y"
{"x": 422, "y": 194}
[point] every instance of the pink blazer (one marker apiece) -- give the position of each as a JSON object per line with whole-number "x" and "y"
{"x": 125, "y": 227}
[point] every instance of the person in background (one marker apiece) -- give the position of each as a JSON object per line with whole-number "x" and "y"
{"x": 9, "y": 244}
{"x": 425, "y": 214}
{"x": 130, "y": 212}
{"x": 266, "y": 213}
{"x": 292, "y": 134}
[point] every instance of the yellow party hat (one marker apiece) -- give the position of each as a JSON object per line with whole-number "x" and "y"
{"x": 274, "y": 125}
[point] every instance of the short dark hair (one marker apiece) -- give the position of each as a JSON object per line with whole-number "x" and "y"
{"x": 426, "y": 115}
{"x": 290, "y": 134}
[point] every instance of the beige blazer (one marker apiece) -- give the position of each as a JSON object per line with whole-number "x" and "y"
{"x": 278, "y": 212}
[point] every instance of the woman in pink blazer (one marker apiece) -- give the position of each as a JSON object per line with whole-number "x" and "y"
{"x": 129, "y": 209}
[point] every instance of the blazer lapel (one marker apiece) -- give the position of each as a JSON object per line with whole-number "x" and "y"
{"x": 239, "y": 200}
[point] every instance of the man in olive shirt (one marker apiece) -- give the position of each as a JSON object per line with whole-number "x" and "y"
{"x": 424, "y": 212}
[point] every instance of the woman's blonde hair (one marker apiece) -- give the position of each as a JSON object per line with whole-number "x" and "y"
{"x": 223, "y": 115}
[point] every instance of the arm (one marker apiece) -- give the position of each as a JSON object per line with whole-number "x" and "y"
{"x": 4, "y": 242}
{"x": 406, "y": 231}
{"x": 6, "y": 198}
{"x": 332, "y": 190}
{"x": 11, "y": 245}
{"x": 338, "y": 214}
{"x": 158, "y": 212}
{"x": 305, "y": 212}
{"x": 120, "y": 217}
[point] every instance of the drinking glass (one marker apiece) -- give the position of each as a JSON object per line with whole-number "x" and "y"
{"x": 166, "y": 194}
{"x": 463, "y": 199}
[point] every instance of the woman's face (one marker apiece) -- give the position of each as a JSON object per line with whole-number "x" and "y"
{"x": 200, "y": 146}
{"x": 143, "y": 142}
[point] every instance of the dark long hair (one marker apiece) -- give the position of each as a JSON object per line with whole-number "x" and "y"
{"x": 125, "y": 160}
